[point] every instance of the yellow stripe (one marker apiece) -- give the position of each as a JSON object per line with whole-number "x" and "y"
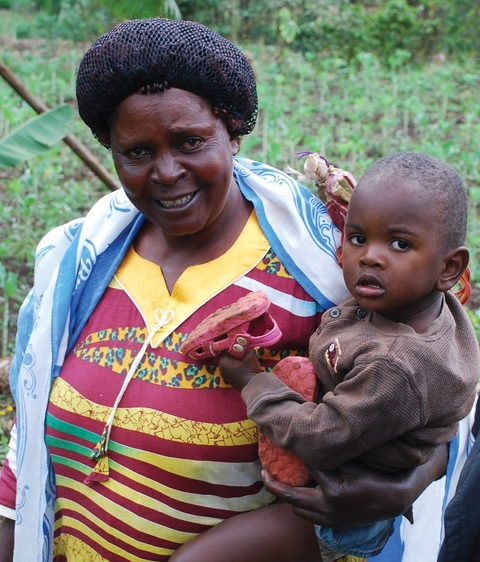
{"x": 158, "y": 424}
{"x": 249, "y": 473}
{"x": 132, "y": 520}
{"x": 150, "y": 369}
{"x": 154, "y": 369}
{"x": 239, "y": 504}
{"x": 65, "y": 520}
{"x": 75, "y": 550}
{"x": 271, "y": 263}
{"x": 213, "y": 472}
{"x": 126, "y": 515}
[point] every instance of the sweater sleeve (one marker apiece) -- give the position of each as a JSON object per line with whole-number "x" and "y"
{"x": 375, "y": 404}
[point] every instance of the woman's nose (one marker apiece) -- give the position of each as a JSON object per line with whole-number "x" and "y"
{"x": 167, "y": 169}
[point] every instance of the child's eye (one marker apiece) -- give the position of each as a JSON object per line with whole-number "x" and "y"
{"x": 357, "y": 239}
{"x": 400, "y": 245}
{"x": 190, "y": 143}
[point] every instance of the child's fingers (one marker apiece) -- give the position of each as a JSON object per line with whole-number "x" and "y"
{"x": 238, "y": 372}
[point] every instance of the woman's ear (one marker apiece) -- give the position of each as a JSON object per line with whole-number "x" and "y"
{"x": 235, "y": 144}
{"x": 455, "y": 263}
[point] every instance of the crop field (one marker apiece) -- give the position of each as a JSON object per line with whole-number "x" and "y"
{"x": 353, "y": 113}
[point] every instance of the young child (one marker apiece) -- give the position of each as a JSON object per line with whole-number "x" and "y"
{"x": 398, "y": 362}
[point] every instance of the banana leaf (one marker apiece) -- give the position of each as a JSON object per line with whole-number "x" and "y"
{"x": 35, "y": 137}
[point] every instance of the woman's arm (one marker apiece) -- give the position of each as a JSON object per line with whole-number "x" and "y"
{"x": 7, "y": 531}
{"x": 268, "y": 534}
{"x": 355, "y": 494}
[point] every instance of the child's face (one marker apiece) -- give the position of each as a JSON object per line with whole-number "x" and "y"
{"x": 391, "y": 259}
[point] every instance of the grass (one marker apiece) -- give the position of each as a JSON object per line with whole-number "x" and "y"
{"x": 10, "y": 20}
{"x": 352, "y": 113}
{"x": 7, "y": 415}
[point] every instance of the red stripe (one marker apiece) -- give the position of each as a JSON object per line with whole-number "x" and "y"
{"x": 154, "y": 444}
{"x": 127, "y": 527}
{"x": 108, "y": 554}
{"x": 173, "y": 481}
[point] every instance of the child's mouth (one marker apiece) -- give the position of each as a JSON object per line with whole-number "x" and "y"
{"x": 369, "y": 286}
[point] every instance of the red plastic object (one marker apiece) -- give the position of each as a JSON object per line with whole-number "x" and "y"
{"x": 299, "y": 375}
{"x": 235, "y": 327}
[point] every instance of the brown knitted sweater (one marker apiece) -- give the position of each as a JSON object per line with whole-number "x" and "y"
{"x": 388, "y": 395}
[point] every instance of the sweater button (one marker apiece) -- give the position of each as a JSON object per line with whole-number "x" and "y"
{"x": 361, "y": 312}
{"x": 334, "y": 313}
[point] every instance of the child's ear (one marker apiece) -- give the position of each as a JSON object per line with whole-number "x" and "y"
{"x": 455, "y": 263}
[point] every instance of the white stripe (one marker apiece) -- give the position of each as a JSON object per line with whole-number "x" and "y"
{"x": 298, "y": 307}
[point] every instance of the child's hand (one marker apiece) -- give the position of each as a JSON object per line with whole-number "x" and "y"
{"x": 238, "y": 372}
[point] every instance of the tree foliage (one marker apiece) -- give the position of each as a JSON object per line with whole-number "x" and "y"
{"x": 342, "y": 27}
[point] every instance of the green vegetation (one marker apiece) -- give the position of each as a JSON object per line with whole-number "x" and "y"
{"x": 352, "y": 104}
{"x": 347, "y": 27}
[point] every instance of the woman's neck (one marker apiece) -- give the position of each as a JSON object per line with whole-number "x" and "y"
{"x": 174, "y": 254}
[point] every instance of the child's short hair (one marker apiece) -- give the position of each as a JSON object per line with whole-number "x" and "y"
{"x": 440, "y": 183}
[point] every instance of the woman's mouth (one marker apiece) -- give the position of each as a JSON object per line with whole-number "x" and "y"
{"x": 170, "y": 204}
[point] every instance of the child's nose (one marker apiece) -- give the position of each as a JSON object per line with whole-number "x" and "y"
{"x": 372, "y": 257}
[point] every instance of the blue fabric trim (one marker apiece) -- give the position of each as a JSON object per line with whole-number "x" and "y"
{"x": 453, "y": 450}
{"x": 25, "y": 319}
{"x": 103, "y": 272}
{"x": 278, "y": 248}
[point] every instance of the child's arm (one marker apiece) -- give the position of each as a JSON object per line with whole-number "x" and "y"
{"x": 362, "y": 416}
{"x": 268, "y": 534}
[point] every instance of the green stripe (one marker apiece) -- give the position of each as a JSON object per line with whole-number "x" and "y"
{"x": 68, "y": 446}
{"x": 72, "y": 464}
{"x": 71, "y": 429}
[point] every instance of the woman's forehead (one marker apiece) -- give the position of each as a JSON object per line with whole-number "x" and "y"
{"x": 174, "y": 111}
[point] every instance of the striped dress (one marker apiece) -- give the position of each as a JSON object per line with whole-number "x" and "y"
{"x": 182, "y": 453}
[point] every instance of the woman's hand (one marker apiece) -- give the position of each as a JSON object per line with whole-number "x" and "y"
{"x": 238, "y": 372}
{"x": 355, "y": 494}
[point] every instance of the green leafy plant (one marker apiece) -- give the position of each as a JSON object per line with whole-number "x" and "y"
{"x": 35, "y": 137}
{"x": 8, "y": 284}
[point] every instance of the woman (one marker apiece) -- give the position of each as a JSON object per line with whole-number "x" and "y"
{"x": 124, "y": 448}
{"x": 141, "y": 447}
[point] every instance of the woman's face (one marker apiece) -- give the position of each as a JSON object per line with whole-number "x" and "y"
{"x": 173, "y": 156}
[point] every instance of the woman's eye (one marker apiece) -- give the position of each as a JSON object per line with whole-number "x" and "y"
{"x": 136, "y": 152}
{"x": 357, "y": 239}
{"x": 190, "y": 143}
{"x": 400, "y": 245}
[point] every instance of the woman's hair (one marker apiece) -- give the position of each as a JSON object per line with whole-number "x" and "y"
{"x": 439, "y": 184}
{"x": 150, "y": 55}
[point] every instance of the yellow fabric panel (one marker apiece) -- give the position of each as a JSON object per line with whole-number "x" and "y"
{"x": 196, "y": 285}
